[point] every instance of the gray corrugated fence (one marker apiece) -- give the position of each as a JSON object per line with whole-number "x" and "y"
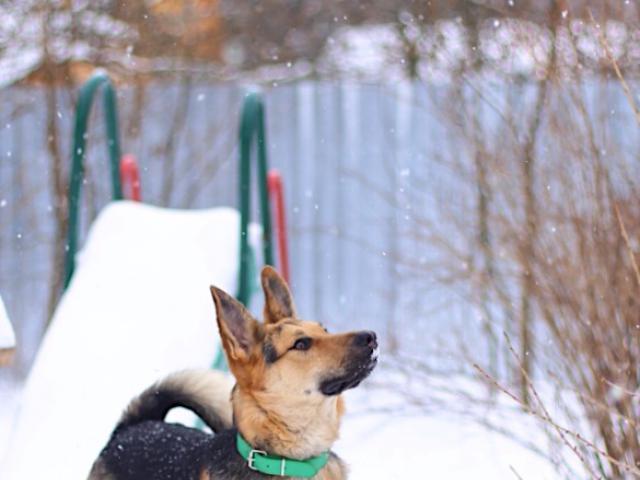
{"x": 360, "y": 163}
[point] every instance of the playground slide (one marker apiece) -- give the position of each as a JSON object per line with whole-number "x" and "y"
{"x": 137, "y": 308}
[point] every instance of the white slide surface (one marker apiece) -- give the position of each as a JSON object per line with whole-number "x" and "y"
{"x": 138, "y": 307}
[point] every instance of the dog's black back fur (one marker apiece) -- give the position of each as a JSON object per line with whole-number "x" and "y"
{"x": 168, "y": 451}
{"x": 155, "y": 449}
{"x": 144, "y": 447}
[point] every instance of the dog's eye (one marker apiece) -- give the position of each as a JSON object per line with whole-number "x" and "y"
{"x": 303, "y": 343}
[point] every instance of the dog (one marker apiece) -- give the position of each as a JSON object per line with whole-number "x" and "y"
{"x": 284, "y": 410}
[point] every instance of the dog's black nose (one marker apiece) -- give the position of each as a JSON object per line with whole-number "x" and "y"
{"x": 366, "y": 339}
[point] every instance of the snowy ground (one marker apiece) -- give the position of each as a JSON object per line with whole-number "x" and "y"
{"x": 397, "y": 444}
{"x": 9, "y": 398}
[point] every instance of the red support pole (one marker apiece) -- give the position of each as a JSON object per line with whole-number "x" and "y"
{"x": 276, "y": 191}
{"x": 130, "y": 176}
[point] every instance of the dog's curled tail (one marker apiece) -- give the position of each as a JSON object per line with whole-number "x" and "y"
{"x": 204, "y": 392}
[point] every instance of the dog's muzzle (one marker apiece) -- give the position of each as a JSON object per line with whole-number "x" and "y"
{"x": 359, "y": 364}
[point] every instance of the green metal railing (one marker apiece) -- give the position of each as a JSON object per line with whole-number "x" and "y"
{"x": 252, "y": 131}
{"x": 83, "y": 109}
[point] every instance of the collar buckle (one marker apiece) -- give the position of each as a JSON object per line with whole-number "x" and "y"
{"x": 277, "y": 465}
{"x": 252, "y": 457}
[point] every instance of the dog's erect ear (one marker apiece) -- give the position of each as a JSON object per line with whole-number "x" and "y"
{"x": 278, "y": 302}
{"x": 237, "y": 327}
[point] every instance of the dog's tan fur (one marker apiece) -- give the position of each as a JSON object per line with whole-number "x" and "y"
{"x": 277, "y": 407}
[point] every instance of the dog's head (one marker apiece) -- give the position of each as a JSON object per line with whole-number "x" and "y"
{"x": 286, "y": 356}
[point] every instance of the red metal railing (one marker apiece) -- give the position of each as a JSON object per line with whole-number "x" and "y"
{"x": 130, "y": 177}
{"x": 276, "y": 191}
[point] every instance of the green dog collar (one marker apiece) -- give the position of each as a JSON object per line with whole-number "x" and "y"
{"x": 262, "y": 462}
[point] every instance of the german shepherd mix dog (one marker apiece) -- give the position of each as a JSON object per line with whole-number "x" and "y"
{"x": 285, "y": 408}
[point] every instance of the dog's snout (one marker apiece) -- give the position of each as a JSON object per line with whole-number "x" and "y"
{"x": 366, "y": 339}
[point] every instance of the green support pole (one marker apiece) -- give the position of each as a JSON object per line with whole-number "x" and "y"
{"x": 252, "y": 131}
{"x": 83, "y": 109}
{"x": 252, "y": 128}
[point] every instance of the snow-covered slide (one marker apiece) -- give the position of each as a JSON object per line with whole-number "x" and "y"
{"x": 138, "y": 307}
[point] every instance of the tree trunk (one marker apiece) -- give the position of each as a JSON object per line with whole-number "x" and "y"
{"x": 58, "y": 182}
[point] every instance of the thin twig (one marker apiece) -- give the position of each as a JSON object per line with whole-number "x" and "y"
{"x": 625, "y": 235}
{"x": 515, "y": 472}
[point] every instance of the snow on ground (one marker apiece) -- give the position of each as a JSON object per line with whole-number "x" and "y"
{"x": 392, "y": 443}
{"x": 138, "y": 307}
{"x": 7, "y": 337}
{"x": 9, "y": 397}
